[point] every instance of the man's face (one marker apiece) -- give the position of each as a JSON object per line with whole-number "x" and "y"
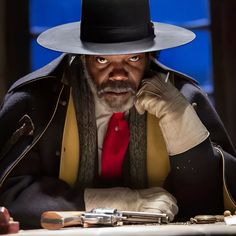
{"x": 116, "y": 78}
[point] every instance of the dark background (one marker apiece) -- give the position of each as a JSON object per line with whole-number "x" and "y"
{"x": 210, "y": 58}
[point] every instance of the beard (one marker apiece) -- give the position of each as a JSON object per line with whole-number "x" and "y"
{"x": 118, "y": 96}
{"x": 115, "y": 96}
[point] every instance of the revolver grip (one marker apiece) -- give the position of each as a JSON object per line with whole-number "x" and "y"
{"x": 54, "y": 220}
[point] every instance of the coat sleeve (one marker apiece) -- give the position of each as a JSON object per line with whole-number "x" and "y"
{"x": 203, "y": 178}
{"x": 195, "y": 180}
{"x": 32, "y": 187}
{"x": 28, "y": 196}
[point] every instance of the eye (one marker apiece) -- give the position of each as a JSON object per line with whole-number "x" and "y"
{"x": 101, "y": 60}
{"x": 134, "y": 58}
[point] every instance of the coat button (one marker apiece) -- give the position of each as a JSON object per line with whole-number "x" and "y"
{"x": 58, "y": 153}
{"x": 63, "y": 103}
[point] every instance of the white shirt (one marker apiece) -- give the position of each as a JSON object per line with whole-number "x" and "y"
{"x": 102, "y": 119}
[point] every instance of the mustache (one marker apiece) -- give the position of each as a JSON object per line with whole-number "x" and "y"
{"x": 116, "y": 87}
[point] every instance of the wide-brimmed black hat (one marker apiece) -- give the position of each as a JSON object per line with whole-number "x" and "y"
{"x": 111, "y": 27}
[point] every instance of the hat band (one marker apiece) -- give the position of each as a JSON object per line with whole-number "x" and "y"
{"x": 116, "y": 34}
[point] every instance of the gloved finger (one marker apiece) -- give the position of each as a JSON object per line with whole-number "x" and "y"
{"x": 150, "y": 92}
{"x": 161, "y": 84}
{"x": 140, "y": 91}
{"x": 154, "y": 87}
{"x": 151, "y": 85}
{"x": 139, "y": 107}
{"x": 170, "y": 214}
{"x": 142, "y": 103}
{"x": 147, "y": 192}
{"x": 155, "y": 81}
{"x": 169, "y": 211}
{"x": 158, "y": 84}
{"x": 159, "y": 196}
{"x": 160, "y": 206}
{"x": 162, "y": 196}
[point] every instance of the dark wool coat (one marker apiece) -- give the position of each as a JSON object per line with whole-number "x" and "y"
{"x": 31, "y": 127}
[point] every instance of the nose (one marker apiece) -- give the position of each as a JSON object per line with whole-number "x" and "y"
{"x": 118, "y": 73}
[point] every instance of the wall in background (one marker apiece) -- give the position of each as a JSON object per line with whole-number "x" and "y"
{"x": 2, "y": 50}
{"x": 224, "y": 58}
{"x": 193, "y": 59}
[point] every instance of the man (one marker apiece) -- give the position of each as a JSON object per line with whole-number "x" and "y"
{"x": 106, "y": 125}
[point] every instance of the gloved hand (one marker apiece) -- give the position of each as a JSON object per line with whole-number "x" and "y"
{"x": 157, "y": 199}
{"x": 181, "y": 127}
{"x": 125, "y": 199}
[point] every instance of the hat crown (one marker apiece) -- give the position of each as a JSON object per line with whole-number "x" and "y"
{"x": 111, "y": 21}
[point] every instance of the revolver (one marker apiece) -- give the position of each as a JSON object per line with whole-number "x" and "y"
{"x": 99, "y": 216}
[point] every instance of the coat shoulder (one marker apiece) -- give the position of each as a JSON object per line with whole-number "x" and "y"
{"x": 53, "y": 69}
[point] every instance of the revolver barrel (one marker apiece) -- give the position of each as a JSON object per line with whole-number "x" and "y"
{"x": 144, "y": 217}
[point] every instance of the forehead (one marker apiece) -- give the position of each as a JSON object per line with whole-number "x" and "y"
{"x": 118, "y": 56}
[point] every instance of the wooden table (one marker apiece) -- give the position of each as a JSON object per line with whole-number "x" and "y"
{"x": 138, "y": 230}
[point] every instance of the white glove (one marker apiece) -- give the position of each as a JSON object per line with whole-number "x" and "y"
{"x": 125, "y": 199}
{"x": 181, "y": 127}
{"x": 157, "y": 199}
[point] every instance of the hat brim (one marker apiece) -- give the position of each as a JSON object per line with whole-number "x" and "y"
{"x": 66, "y": 38}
